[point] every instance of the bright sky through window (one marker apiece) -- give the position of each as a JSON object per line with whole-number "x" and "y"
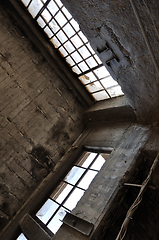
{"x": 64, "y": 33}
{"x": 66, "y": 196}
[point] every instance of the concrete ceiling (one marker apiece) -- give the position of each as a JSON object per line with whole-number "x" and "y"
{"x": 115, "y": 24}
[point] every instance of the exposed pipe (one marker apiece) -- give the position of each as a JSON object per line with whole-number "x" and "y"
{"x": 144, "y": 34}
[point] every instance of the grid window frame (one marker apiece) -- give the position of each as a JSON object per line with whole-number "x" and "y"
{"x": 73, "y": 186}
{"x": 49, "y": 20}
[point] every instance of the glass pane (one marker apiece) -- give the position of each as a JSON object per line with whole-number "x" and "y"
{"x": 69, "y": 30}
{"x": 91, "y": 62}
{"x": 52, "y": 7}
{"x": 67, "y": 14}
{"x": 97, "y": 58}
{"x": 46, "y": 15}
{"x": 76, "y": 70}
{"x": 73, "y": 176}
{"x": 87, "y": 159}
{"x": 98, "y": 163}
{"x": 70, "y": 48}
{"x": 76, "y": 57}
{"x": 100, "y": 95}
{"x": 115, "y": 91}
{"x": 55, "y": 42}
{"x": 76, "y": 41}
{"x": 54, "y": 26}
{"x": 59, "y": 3}
{"x": 61, "y": 36}
{"x": 48, "y": 32}
{"x": 35, "y": 7}
{"x": 73, "y": 199}
{"x": 87, "y": 179}
{"x": 87, "y": 78}
{"x": 41, "y": 22}
{"x": 63, "y": 51}
{"x": 47, "y": 210}
{"x": 84, "y": 52}
{"x": 21, "y": 237}
{"x": 61, "y": 192}
{"x": 75, "y": 25}
{"x": 101, "y": 72}
{"x": 94, "y": 87}
{"x": 56, "y": 222}
{"x": 108, "y": 82}
{"x": 70, "y": 61}
{"x": 60, "y": 18}
{"x": 90, "y": 48}
{"x": 25, "y": 2}
{"x": 82, "y": 36}
{"x": 83, "y": 66}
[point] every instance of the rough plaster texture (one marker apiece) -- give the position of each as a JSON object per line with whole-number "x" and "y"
{"x": 119, "y": 167}
{"x": 39, "y": 118}
{"x": 114, "y": 22}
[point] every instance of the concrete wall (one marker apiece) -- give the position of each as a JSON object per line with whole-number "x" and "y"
{"x": 105, "y": 191}
{"x": 39, "y": 118}
{"x": 113, "y": 25}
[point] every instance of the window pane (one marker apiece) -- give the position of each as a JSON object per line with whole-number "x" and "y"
{"x": 100, "y": 95}
{"x": 87, "y": 78}
{"x": 73, "y": 199}
{"x": 90, "y": 48}
{"x": 48, "y": 32}
{"x": 21, "y": 237}
{"x": 98, "y": 163}
{"x": 70, "y": 48}
{"x": 61, "y": 36}
{"x": 41, "y": 22}
{"x": 91, "y": 62}
{"x": 63, "y": 51}
{"x": 52, "y": 7}
{"x": 56, "y": 42}
{"x": 115, "y": 91}
{"x": 84, "y": 39}
{"x": 35, "y": 7}
{"x": 70, "y": 61}
{"x": 83, "y": 66}
{"x": 76, "y": 41}
{"x": 62, "y": 192}
{"x": 25, "y": 2}
{"x": 56, "y": 222}
{"x": 75, "y": 25}
{"x": 87, "y": 179}
{"x": 67, "y": 14}
{"x": 97, "y": 58}
{"x": 46, "y": 15}
{"x": 84, "y": 52}
{"x": 108, "y": 82}
{"x": 53, "y": 25}
{"x": 47, "y": 210}
{"x": 101, "y": 72}
{"x": 76, "y": 70}
{"x": 59, "y": 3}
{"x": 76, "y": 57}
{"x": 87, "y": 159}
{"x": 69, "y": 30}
{"x": 74, "y": 175}
{"x": 93, "y": 87}
{"x": 60, "y": 18}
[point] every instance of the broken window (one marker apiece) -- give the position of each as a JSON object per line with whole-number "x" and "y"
{"x": 64, "y": 33}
